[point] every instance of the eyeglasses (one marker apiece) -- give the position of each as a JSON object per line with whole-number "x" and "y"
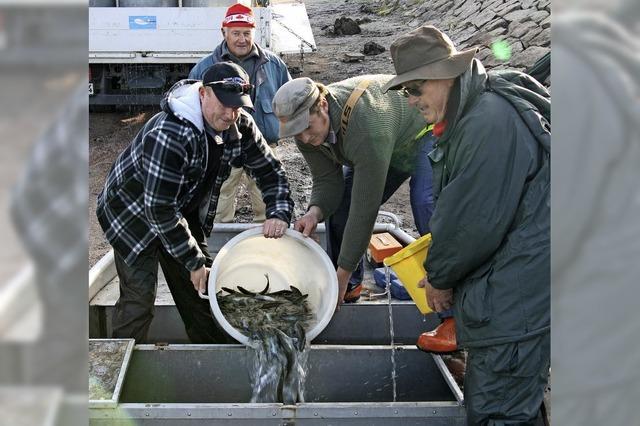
{"x": 232, "y": 84}
{"x": 410, "y": 91}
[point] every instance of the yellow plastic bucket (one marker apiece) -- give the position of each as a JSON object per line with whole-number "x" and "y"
{"x": 408, "y": 266}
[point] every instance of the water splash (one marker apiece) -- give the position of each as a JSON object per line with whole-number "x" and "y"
{"x": 387, "y": 276}
{"x": 279, "y": 366}
{"x": 275, "y": 324}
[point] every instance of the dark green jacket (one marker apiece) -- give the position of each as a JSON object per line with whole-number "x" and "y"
{"x": 491, "y": 224}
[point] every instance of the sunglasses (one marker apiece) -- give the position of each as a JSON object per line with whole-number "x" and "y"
{"x": 410, "y": 91}
{"x": 232, "y": 84}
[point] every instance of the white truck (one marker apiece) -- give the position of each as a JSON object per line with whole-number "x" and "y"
{"x": 139, "y": 48}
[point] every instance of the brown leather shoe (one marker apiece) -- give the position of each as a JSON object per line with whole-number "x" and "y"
{"x": 442, "y": 339}
{"x": 353, "y": 295}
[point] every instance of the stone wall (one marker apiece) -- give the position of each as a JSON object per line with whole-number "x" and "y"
{"x": 524, "y": 25}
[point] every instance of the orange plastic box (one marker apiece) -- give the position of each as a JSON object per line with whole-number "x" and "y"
{"x": 383, "y": 245}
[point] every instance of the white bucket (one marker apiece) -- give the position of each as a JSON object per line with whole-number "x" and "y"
{"x": 291, "y": 260}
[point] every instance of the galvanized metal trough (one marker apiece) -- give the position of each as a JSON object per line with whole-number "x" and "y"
{"x": 349, "y": 381}
{"x": 209, "y": 384}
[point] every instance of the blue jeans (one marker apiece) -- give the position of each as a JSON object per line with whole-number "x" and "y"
{"x": 420, "y": 193}
{"x": 421, "y": 186}
{"x": 445, "y": 314}
{"x": 337, "y": 222}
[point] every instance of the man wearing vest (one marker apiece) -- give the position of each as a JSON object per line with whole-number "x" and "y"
{"x": 490, "y": 253}
{"x": 349, "y": 123}
{"x": 267, "y": 73}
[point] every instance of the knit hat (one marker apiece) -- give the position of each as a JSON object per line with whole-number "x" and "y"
{"x": 239, "y": 15}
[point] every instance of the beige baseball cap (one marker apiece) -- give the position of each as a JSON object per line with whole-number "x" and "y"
{"x": 291, "y": 105}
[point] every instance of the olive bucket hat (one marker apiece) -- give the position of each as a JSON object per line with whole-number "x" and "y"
{"x": 426, "y": 53}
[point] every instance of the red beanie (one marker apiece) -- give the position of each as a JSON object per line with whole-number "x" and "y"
{"x": 239, "y": 15}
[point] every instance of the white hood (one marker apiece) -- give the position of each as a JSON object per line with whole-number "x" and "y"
{"x": 184, "y": 101}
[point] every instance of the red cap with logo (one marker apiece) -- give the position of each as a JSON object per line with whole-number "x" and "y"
{"x": 239, "y": 15}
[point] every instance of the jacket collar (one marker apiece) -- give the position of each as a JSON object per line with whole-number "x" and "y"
{"x": 222, "y": 48}
{"x": 226, "y": 53}
{"x": 468, "y": 87}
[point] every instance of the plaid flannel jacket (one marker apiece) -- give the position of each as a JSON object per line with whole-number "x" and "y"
{"x": 156, "y": 176}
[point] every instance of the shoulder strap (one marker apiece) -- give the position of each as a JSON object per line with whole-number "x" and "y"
{"x": 351, "y": 102}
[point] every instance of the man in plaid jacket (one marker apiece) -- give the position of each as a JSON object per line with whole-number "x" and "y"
{"x": 160, "y": 198}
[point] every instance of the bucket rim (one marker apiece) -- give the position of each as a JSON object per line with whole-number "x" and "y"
{"x": 409, "y": 251}
{"x": 289, "y": 233}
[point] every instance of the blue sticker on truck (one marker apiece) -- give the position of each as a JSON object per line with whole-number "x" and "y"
{"x": 142, "y": 23}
